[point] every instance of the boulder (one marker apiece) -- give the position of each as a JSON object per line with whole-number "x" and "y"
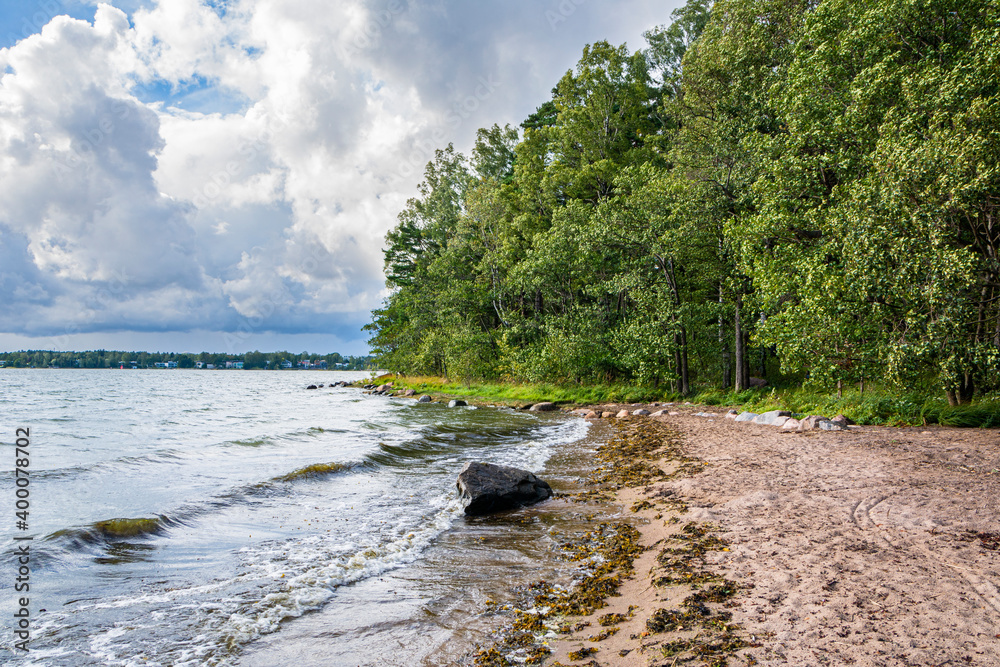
{"x": 640, "y": 412}
{"x": 745, "y": 416}
{"x": 492, "y": 488}
{"x": 827, "y": 425}
{"x": 312, "y": 386}
{"x": 622, "y": 414}
{"x": 545, "y": 406}
{"x": 780, "y": 421}
{"x": 791, "y": 425}
{"x": 732, "y": 414}
{"x": 843, "y": 421}
{"x": 410, "y": 392}
{"x": 456, "y": 403}
{"x": 424, "y": 399}
{"x": 812, "y": 422}
{"x": 769, "y": 418}
{"x": 590, "y": 414}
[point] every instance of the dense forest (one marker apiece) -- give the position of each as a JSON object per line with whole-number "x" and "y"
{"x": 118, "y": 358}
{"x": 805, "y": 190}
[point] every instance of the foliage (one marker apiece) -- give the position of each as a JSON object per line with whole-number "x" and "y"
{"x": 802, "y": 190}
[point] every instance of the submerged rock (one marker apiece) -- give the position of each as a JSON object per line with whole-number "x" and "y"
{"x": 545, "y": 406}
{"x": 424, "y": 399}
{"x": 457, "y": 403}
{"x": 493, "y": 488}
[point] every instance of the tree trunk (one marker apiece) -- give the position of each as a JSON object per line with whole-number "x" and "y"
{"x": 685, "y": 386}
{"x": 727, "y": 369}
{"x": 739, "y": 343}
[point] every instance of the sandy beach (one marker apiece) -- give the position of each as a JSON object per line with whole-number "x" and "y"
{"x": 873, "y": 547}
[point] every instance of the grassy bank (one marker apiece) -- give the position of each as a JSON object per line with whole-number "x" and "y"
{"x": 878, "y": 406}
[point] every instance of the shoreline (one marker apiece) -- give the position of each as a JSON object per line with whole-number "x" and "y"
{"x": 870, "y": 546}
{"x": 875, "y": 546}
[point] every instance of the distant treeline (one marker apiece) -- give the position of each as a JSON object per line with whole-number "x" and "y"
{"x": 804, "y": 189}
{"x": 117, "y": 359}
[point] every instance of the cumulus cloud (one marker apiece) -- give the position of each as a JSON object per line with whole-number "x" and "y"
{"x": 235, "y": 166}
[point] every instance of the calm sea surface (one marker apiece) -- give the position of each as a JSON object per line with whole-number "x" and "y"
{"x": 227, "y": 517}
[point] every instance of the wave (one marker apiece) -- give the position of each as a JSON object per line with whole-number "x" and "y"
{"x": 314, "y": 470}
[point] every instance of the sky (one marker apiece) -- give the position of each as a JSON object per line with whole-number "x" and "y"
{"x": 219, "y": 175}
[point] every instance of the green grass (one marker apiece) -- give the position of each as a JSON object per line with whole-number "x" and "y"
{"x": 874, "y": 406}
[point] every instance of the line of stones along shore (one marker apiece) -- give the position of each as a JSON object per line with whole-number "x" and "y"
{"x": 782, "y": 419}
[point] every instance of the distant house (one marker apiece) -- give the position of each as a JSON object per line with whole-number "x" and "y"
{"x": 238, "y": 364}
{"x": 286, "y": 364}
{"x": 321, "y": 364}
{"x": 171, "y": 364}
{"x": 199, "y": 364}
{"x": 210, "y": 367}
{"x": 160, "y": 364}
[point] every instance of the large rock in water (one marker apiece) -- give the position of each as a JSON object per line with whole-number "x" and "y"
{"x": 492, "y": 488}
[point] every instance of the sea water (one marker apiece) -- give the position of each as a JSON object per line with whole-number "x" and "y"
{"x": 186, "y": 517}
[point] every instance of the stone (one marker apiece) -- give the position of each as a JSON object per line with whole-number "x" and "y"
{"x": 791, "y": 425}
{"x": 456, "y": 403}
{"x": 731, "y": 414}
{"x": 545, "y": 406}
{"x": 673, "y": 414}
{"x": 745, "y": 416}
{"x": 590, "y": 414}
{"x": 410, "y": 392}
{"x": 493, "y": 488}
{"x": 312, "y": 386}
{"x": 843, "y": 421}
{"x": 659, "y": 413}
{"x": 424, "y": 399}
{"x": 640, "y": 412}
{"x": 768, "y": 418}
{"x": 622, "y": 414}
{"x": 705, "y": 414}
{"x": 758, "y": 382}
{"x": 780, "y": 421}
{"x": 827, "y": 425}
{"x": 812, "y": 422}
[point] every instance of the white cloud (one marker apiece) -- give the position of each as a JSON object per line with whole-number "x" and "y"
{"x": 270, "y": 208}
